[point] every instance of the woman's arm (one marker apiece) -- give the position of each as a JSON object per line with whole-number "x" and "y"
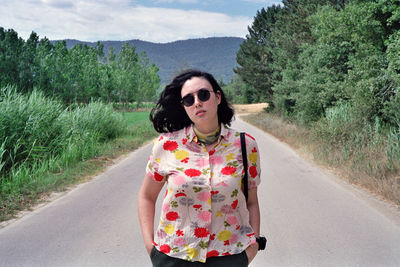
{"x": 254, "y": 212}
{"x": 146, "y": 207}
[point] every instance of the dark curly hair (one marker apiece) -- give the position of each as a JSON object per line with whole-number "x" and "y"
{"x": 169, "y": 115}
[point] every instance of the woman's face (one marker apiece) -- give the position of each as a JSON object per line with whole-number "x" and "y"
{"x": 203, "y": 114}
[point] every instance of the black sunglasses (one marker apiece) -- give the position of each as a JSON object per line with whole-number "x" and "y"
{"x": 202, "y": 94}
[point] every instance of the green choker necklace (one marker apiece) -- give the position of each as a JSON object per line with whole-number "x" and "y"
{"x": 208, "y": 139}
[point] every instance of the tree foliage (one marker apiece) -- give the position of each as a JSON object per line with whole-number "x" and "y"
{"x": 79, "y": 74}
{"x": 324, "y": 54}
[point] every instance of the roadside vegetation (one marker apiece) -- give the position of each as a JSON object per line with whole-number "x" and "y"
{"x": 47, "y": 147}
{"x": 66, "y": 113}
{"x": 370, "y": 158}
{"x": 330, "y": 72}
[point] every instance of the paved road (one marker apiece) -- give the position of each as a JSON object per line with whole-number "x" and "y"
{"x": 309, "y": 217}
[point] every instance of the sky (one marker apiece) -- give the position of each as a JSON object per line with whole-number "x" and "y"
{"x": 158, "y": 21}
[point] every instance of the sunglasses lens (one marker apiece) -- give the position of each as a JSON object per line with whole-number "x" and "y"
{"x": 188, "y": 100}
{"x": 203, "y": 95}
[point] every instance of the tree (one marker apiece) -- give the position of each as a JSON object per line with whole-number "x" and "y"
{"x": 10, "y": 50}
{"x": 255, "y": 54}
{"x": 27, "y": 66}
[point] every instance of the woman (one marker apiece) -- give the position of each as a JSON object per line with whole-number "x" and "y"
{"x": 205, "y": 220}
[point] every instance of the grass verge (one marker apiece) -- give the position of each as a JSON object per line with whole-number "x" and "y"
{"x": 33, "y": 185}
{"x": 371, "y": 160}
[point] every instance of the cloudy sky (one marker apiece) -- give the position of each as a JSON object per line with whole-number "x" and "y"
{"x": 152, "y": 20}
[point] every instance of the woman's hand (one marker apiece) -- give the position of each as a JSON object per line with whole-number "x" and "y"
{"x": 149, "y": 248}
{"x": 251, "y": 251}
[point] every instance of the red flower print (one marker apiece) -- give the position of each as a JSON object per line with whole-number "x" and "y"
{"x": 155, "y": 244}
{"x": 226, "y": 254}
{"x": 165, "y": 248}
{"x": 180, "y": 194}
{"x": 161, "y": 138}
{"x": 254, "y": 150}
{"x": 197, "y": 206}
{"x": 211, "y": 152}
{"x": 212, "y": 253}
{"x": 184, "y": 140}
{"x": 226, "y": 243}
{"x": 228, "y": 170}
{"x": 179, "y": 232}
{"x": 192, "y": 172}
{"x": 214, "y": 192}
{"x": 158, "y": 176}
{"x": 237, "y": 227}
{"x": 201, "y": 232}
{"x": 250, "y": 136}
{"x": 234, "y": 204}
{"x": 253, "y": 171}
{"x": 212, "y": 237}
{"x": 170, "y": 145}
{"x": 185, "y": 160}
{"x": 249, "y": 235}
{"x": 171, "y": 216}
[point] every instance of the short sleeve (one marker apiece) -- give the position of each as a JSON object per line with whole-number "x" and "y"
{"x": 153, "y": 168}
{"x": 253, "y": 162}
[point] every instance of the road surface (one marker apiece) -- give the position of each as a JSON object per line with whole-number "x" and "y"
{"x": 309, "y": 216}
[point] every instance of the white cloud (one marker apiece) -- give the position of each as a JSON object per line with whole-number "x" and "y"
{"x": 93, "y": 20}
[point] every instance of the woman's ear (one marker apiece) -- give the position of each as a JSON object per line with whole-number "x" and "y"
{"x": 219, "y": 96}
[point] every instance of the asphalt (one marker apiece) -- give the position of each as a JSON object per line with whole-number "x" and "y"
{"x": 309, "y": 216}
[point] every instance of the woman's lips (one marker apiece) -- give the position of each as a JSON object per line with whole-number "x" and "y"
{"x": 200, "y": 113}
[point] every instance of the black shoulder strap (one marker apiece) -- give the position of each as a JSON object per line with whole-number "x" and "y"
{"x": 244, "y": 157}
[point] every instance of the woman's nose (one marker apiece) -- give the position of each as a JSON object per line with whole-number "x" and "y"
{"x": 197, "y": 101}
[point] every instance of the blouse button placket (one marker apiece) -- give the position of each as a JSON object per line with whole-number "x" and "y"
{"x": 203, "y": 253}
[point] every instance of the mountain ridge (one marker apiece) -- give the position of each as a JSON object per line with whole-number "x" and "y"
{"x": 216, "y": 55}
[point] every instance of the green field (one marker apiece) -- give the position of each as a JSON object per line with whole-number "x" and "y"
{"x": 136, "y": 118}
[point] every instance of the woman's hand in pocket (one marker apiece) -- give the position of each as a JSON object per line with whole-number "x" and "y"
{"x": 149, "y": 248}
{"x": 251, "y": 251}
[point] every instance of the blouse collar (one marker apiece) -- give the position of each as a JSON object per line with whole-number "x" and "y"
{"x": 191, "y": 135}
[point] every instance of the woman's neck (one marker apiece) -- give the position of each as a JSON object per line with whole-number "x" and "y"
{"x": 207, "y": 129}
{"x": 208, "y": 138}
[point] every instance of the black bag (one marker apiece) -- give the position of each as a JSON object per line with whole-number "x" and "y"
{"x": 244, "y": 156}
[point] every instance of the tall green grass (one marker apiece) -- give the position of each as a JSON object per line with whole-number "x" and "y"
{"x": 39, "y": 136}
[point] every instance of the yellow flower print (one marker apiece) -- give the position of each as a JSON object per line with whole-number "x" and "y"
{"x": 158, "y": 160}
{"x": 226, "y": 145}
{"x": 192, "y": 252}
{"x": 181, "y": 154}
{"x": 230, "y": 156}
{"x": 224, "y": 235}
{"x": 169, "y": 229}
{"x": 219, "y": 214}
{"x": 253, "y": 157}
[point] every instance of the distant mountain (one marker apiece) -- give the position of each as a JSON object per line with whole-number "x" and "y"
{"x": 216, "y": 55}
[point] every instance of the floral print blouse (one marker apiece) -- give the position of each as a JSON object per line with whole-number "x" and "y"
{"x": 204, "y": 211}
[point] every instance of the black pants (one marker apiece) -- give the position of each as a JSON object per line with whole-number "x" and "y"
{"x": 160, "y": 259}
